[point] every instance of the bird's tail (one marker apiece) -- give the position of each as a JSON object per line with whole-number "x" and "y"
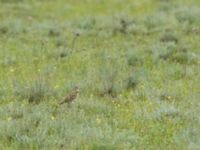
{"x": 62, "y": 102}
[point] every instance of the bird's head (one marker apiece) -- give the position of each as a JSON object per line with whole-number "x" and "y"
{"x": 77, "y": 90}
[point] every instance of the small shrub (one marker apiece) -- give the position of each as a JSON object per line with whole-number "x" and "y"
{"x": 179, "y": 54}
{"x": 61, "y": 53}
{"x": 188, "y": 15}
{"x": 3, "y": 30}
{"x": 8, "y": 61}
{"x": 110, "y": 76}
{"x": 185, "y": 58}
{"x": 134, "y": 58}
{"x": 166, "y": 5}
{"x": 85, "y": 23}
{"x": 168, "y": 37}
{"x": 54, "y": 32}
{"x": 108, "y": 86}
{"x": 35, "y": 91}
{"x": 155, "y": 20}
{"x": 60, "y": 41}
{"x": 166, "y": 55}
{"x": 132, "y": 82}
{"x": 180, "y": 57}
{"x": 125, "y": 25}
{"x": 14, "y": 28}
{"x": 122, "y": 27}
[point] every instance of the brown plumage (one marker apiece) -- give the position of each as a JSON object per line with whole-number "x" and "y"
{"x": 71, "y": 97}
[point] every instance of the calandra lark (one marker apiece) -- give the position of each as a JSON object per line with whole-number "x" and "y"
{"x": 71, "y": 97}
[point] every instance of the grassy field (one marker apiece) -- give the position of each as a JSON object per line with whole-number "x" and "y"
{"x": 137, "y": 64}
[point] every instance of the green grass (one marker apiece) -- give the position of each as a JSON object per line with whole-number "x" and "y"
{"x": 136, "y": 63}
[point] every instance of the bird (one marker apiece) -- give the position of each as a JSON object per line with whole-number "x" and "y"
{"x": 71, "y": 96}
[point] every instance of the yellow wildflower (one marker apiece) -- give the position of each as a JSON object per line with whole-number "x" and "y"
{"x": 12, "y": 70}
{"x": 9, "y": 118}
{"x": 56, "y": 86}
{"x": 52, "y": 118}
{"x": 91, "y": 95}
{"x": 168, "y": 97}
{"x": 98, "y": 120}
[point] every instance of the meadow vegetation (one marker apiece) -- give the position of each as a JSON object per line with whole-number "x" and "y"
{"x": 137, "y": 64}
